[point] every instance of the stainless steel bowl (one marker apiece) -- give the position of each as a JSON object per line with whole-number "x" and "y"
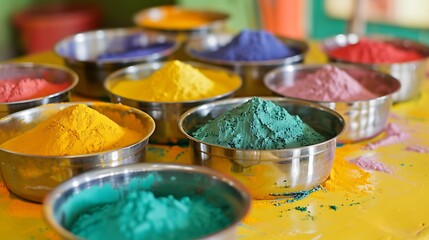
{"x": 364, "y": 119}
{"x": 33, "y": 176}
{"x": 252, "y": 72}
{"x": 170, "y": 179}
{"x": 268, "y": 173}
{"x": 51, "y": 73}
{"x": 80, "y": 53}
{"x": 410, "y": 74}
{"x": 165, "y": 114}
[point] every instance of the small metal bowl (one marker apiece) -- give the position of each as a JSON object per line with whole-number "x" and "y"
{"x": 268, "y": 173}
{"x": 80, "y": 52}
{"x": 252, "y": 72}
{"x": 410, "y": 74}
{"x": 169, "y": 179}
{"x": 365, "y": 118}
{"x": 165, "y": 114}
{"x": 51, "y": 73}
{"x": 33, "y": 176}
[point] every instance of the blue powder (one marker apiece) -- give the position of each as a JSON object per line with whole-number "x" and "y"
{"x": 135, "y": 51}
{"x": 251, "y": 45}
{"x": 258, "y": 124}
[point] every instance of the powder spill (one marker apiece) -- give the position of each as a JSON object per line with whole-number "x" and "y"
{"x": 258, "y": 124}
{"x": 178, "y": 81}
{"x": 371, "y": 163}
{"x": 28, "y": 88}
{"x": 250, "y": 45}
{"x": 135, "y": 52}
{"x": 418, "y": 149}
{"x": 393, "y": 134}
{"x": 75, "y": 130}
{"x": 329, "y": 83}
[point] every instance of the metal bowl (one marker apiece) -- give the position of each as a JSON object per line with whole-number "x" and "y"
{"x": 169, "y": 179}
{"x": 33, "y": 176}
{"x": 252, "y": 72}
{"x": 365, "y": 118}
{"x": 165, "y": 114}
{"x": 410, "y": 74}
{"x": 80, "y": 52}
{"x": 51, "y": 73}
{"x": 268, "y": 173}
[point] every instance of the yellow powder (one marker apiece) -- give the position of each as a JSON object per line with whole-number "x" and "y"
{"x": 174, "y": 18}
{"x": 177, "y": 81}
{"x": 76, "y": 130}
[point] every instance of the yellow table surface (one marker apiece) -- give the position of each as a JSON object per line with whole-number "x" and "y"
{"x": 396, "y": 208}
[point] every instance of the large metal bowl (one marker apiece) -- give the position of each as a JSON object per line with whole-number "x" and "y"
{"x": 364, "y": 118}
{"x": 165, "y": 114}
{"x": 33, "y": 176}
{"x": 64, "y": 204}
{"x": 268, "y": 173}
{"x": 80, "y": 53}
{"x": 252, "y": 72}
{"x": 410, "y": 74}
{"x": 51, "y": 73}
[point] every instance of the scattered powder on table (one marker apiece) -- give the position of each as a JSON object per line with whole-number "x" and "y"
{"x": 418, "y": 149}
{"x": 393, "y": 134}
{"x": 258, "y": 124}
{"x": 28, "y": 88}
{"x": 135, "y": 52}
{"x": 173, "y": 18}
{"x": 177, "y": 81}
{"x": 250, "y": 45}
{"x": 374, "y": 51}
{"x": 371, "y": 163}
{"x": 329, "y": 83}
{"x": 75, "y": 130}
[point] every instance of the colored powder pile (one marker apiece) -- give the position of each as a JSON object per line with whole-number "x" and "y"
{"x": 258, "y": 124}
{"x": 329, "y": 83}
{"x": 178, "y": 81}
{"x": 371, "y": 163}
{"x": 393, "y": 134}
{"x": 251, "y": 45}
{"x": 374, "y": 51}
{"x": 135, "y": 52}
{"x": 174, "y": 18}
{"x": 75, "y": 130}
{"x": 28, "y": 88}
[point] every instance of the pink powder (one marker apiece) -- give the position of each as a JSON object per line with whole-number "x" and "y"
{"x": 28, "y": 88}
{"x": 394, "y": 134}
{"x": 371, "y": 163}
{"x": 418, "y": 149}
{"x": 329, "y": 83}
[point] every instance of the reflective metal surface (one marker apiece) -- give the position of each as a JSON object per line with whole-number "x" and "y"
{"x": 32, "y": 176}
{"x": 269, "y": 173}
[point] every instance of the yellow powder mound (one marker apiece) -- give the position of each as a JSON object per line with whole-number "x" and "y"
{"x": 76, "y": 130}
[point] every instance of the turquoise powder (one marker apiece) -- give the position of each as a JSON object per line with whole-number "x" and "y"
{"x": 258, "y": 124}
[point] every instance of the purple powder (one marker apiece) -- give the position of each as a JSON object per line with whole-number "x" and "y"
{"x": 251, "y": 45}
{"x": 371, "y": 163}
{"x": 133, "y": 51}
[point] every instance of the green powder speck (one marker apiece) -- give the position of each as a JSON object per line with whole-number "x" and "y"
{"x": 333, "y": 207}
{"x": 258, "y": 124}
{"x": 302, "y": 209}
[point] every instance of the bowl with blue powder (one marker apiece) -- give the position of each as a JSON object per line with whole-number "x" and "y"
{"x": 148, "y": 201}
{"x": 250, "y": 53}
{"x": 274, "y": 146}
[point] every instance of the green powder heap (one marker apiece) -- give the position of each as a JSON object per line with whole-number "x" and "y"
{"x": 260, "y": 125}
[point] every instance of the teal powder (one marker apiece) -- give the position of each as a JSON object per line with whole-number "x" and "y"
{"x": 260, "y": 125}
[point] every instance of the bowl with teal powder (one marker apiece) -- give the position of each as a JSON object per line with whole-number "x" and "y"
{"x": 274, "y": 146}
{"x": 148, "y": 201}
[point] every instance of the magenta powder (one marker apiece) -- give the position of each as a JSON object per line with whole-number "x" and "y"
{"x": 418, "y": 149}
{"x": 393, "y": 134}
{"x": 329, "y": 83}
{"x": 371, "y": 163}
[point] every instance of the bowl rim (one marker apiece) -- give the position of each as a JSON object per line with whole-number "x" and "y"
{"x": 297, "y": 67}
{"x": 98, "y": 174}
{"x": 29, "y": 65}
{"x": 89, "y": 104}
{"x": 242, "y": 100}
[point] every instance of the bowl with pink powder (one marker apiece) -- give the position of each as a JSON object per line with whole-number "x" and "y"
{"x": 27, "y": 85}
{"x": 361, "y": 95}
{"x": 404, "y": 59}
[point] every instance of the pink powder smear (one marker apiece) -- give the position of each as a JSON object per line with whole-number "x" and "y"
{"x": 28, "y": 88}
{"x": 329, "y": 83}
{"x": 371, "y": 163}
{"x": 394, "y": 134}
{"x": 418, "y": 149}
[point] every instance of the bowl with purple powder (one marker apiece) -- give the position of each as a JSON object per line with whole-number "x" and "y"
{"x": 148, "y": 201}
{"x": 251, "y": 54}
{"x": 361, "y": 95}
{"x": 274, "y": 146}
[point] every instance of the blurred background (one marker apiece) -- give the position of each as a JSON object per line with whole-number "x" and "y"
{"x": 26, "y": 29}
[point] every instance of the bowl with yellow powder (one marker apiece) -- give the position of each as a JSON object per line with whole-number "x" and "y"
{"x": 274, "y": 146}
{"x": 27, "y": 85}
{"x": 165, "y": 90}
{"x": 148, "y": 201}
{"x": 43, "y": 146}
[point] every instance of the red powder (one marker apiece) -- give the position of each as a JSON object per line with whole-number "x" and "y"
{"x": 371, "y": 51}
{"x": 28, "y": 88}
